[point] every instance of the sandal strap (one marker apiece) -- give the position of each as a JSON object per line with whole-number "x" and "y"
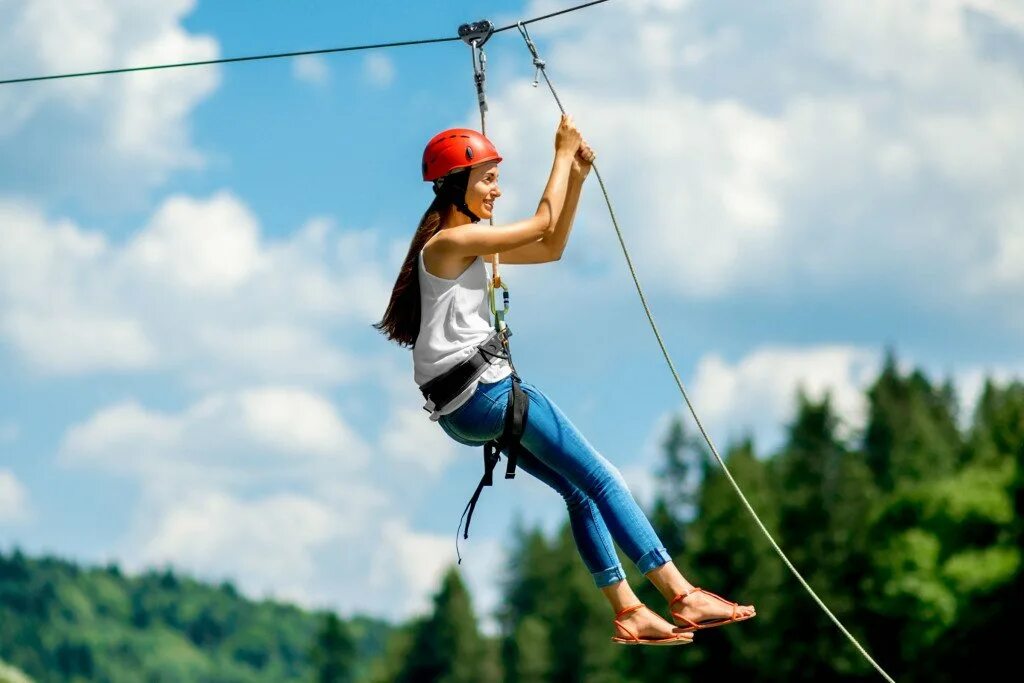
{"x": 627, "y": 610}
{"x": 622, "y": 626}
{"x": 684, "y": 594}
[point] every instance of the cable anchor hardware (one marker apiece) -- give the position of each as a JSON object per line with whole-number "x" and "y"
{"x": 538, "y": 63}
{"x": 477, "y": 32}
{"x": 475, "y": 35}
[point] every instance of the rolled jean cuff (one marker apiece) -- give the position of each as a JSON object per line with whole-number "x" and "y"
{"x": 653, "y": 560}
{"x": 609, "y": 576}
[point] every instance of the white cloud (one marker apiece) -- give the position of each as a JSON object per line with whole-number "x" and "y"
{"x": 297, "y": 421}
{"x": 14, "y": 498}
{"x": 1007, "y": 13}
{"x": 378, "y": 69}
{"x": 99, "y": 139}
{"x": 412, "y": 440}
{"x": 211, "y": 246}
{"x": 267, "y": 434}
{"x": 418, "y": 561}
{"x": 267, "y": 544}
{"x": 970, "y": 382}
{"x": 756, "y": 395}
{"x": 197, "y": 289}
{"x": 642, "y": 482}
{"x": 881, "y": 143}
{"x": 311, "y": 69}
{"x": 71, "y": 344}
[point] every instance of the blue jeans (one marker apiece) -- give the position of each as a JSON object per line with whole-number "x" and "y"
{"x": 559, "y": 455}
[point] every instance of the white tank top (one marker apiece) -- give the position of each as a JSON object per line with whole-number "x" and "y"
{"x": 454, "y": 319}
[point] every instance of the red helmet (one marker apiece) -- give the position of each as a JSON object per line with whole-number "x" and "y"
{"x": 456, "y": 148}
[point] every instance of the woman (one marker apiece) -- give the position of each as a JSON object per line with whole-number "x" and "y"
{"x": 439, "y": 308}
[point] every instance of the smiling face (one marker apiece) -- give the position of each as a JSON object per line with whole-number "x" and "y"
{"x": 482, "y": 189}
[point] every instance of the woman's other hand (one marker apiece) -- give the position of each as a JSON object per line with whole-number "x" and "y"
{"x": 567, "y": 137}
{"x": 583, "y": 161}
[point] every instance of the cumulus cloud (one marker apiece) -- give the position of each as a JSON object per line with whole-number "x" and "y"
{"x": 970, "y": 382}
{"x": 197, "y": 289}
{"x": 14, "y": 498}
{"x": 757, "y": 394}
{"x": 881, "y": 142}
{"x": 266, "y": 544}
{"x": 311, "y": 69}
{"x": 251, "y": 437}
{"x": 378, "y": 69}
{"x": 100, "y": 140}
{"x": 411, "y": 440}
{"x": 420, "y": 560}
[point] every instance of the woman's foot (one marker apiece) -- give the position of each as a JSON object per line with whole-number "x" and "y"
{"x": 698, "y": 609}
{"x": 646, "y": 623}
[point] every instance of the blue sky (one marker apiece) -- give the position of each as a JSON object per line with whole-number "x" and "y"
{"x": 191, "y": 259}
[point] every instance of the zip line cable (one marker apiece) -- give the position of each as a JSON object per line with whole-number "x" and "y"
{"x": 540, "y": 66}
{"x": 548, "y": 16}
{"x": 228, "y": 60}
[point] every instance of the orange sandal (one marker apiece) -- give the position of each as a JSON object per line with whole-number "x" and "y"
{"x": 680, "y": 639}
{"x": 708, "y": 623}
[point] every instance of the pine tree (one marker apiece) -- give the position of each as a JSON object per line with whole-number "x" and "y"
{"x": 948, "y": 562}
{"x": 729, "y": 555}
{"x": 911, "y": 432}
{"x": 532, "y": 641}
{"x": 334, "y": 652}
{"x": 825, "y": 495}
{"x": 447, "y": 648}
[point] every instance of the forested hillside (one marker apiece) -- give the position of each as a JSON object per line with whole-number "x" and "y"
{"x": 60, "y": 622}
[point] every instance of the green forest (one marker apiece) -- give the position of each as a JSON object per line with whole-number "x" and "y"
{"x": 910, "y": 532}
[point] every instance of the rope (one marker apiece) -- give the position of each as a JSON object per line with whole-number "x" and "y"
{"x": 228, "y": 60}
{"x": 540, "y": 65}
{"x": 479, "y": 78}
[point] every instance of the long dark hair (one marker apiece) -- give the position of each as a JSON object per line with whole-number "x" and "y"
{"x": 401, "y": 322}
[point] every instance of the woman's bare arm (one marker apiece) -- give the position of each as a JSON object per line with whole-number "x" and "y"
{"x": 474, "y": 239}
{"x": 477, "y": 240}
{"x": 559, "y": 237}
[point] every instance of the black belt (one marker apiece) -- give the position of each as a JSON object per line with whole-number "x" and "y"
{"x": 441, "y": 390}
{"x": 444, "y": 388}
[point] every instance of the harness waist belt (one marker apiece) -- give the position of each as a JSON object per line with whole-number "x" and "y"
{"x": 441, "y": 390}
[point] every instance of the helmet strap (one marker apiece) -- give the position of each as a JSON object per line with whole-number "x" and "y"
{"x": 453, "y": 187}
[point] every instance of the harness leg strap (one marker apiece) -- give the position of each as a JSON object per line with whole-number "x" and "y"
{"x": 491, "y": 458}
{"x": 515, "y": 423}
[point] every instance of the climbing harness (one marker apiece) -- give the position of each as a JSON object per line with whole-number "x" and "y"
{"x": 540, "y": 66}
{"x": 441, "y": 390}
